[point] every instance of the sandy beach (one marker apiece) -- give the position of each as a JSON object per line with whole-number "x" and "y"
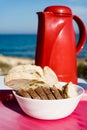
{"x": 7, "y": 62}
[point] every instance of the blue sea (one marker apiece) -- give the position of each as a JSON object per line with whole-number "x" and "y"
{"x": 23, "y": 45}
{"x": 20, "y": 45}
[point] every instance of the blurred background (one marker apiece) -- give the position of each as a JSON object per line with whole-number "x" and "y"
{"x": 18, "y": 25}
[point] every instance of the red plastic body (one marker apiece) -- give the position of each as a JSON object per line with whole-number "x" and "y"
{"x": 56, "y": 41}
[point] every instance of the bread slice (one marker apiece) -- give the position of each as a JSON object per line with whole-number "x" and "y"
{"x": 23, "y": 92}
{"x": 33, "y": 94}
{"x": 49, "y": 76}
{"x": 71, "y": 91}
{"x": 56, "y": 92}
{"x": 27, "y": 69}
{"x": 23, "y": 76}
{"x": 48, "y": 93}
{"x": 67, "y": 90}
{"x": 41, "y": 93}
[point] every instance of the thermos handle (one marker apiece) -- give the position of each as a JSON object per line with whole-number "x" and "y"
{"x": 82, "y": 30}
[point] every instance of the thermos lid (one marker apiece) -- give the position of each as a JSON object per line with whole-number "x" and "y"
{"x": 58, "y": 9}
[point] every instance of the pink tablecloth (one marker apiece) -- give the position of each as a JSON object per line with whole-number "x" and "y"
{"x": 13, "y": 118}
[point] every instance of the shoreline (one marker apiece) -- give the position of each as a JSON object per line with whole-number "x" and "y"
{"x": 7, "y": 62}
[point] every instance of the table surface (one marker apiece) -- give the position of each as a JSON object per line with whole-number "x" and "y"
{"x": 13, "y": 118}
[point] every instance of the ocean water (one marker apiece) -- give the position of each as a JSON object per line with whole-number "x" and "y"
{"x": 23, "y": 45}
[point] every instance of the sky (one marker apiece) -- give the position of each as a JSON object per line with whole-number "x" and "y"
{"x": 19, "y": 16}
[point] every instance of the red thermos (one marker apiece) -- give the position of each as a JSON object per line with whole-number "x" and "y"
{"x": 56, "y": 41}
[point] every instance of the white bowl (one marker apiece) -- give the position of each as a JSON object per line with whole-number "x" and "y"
{"x": 50, "y": 109}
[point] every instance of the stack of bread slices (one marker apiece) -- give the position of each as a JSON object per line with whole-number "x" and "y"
{"x": 34, "y": 82}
